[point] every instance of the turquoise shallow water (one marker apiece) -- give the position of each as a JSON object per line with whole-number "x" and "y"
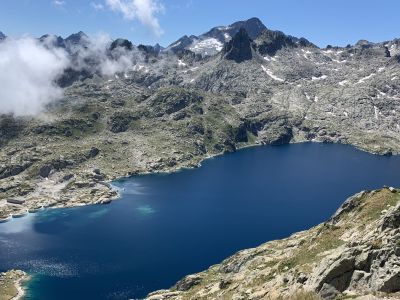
{"x": 169, "y": 225}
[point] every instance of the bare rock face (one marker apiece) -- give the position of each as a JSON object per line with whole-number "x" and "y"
{"x": 121, "y": 43}
{"x": 354, "y": 254}
{"x": 45, "y": 171}
{"x": 239, "y": 48}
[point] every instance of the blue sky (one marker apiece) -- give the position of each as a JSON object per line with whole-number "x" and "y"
{"x": 336, "y": 22}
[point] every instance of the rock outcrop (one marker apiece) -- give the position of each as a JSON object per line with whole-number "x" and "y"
{"x": 121, "y": 43}
{"x": 354, "y": 254}
{"x": 239, "y": 48}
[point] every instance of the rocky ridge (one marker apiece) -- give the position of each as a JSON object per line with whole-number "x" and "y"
{"x": 354, "y": 255}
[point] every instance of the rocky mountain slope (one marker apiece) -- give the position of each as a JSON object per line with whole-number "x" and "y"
{"x": 353, "y": 255}
{"x": 169, "y": 110}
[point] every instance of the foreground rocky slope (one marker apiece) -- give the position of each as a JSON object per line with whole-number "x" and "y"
{"x": 355, "y": 253}
{"x": 172, "y": 110}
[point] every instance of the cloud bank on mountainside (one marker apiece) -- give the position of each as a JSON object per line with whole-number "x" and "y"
{"x": 31, "y": 68}
{"x": 27, "y": 76}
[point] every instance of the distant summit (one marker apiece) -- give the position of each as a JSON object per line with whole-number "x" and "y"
{"x": 52, "y": 40}
{"x": 2, "y": 36}
{"x": 150, "y": 50}
{"x": 213, "y": 41}
{"x": 254, "y": 27}
{"x": 121, "y": 43}
{"x": 270, "y": 41}
{"x": 79, "y": 38}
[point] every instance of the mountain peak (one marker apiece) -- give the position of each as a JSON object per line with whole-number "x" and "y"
{"x": 52, "y": 40}
{"x": 2, "y": 36}
{"x": 253, "y": 26}
{"x": 239, "y": 48}
{"x": 254, "y": 20}
{"x": 211, "y": 42}
{"x": 76, "y": 38}
{"x": 121, "y": 43}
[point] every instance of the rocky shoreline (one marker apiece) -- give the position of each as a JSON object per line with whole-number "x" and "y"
{"x": 11, "y": 285}
{"x": 105, "y": 192}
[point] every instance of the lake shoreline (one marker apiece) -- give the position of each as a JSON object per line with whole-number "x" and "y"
{"x": 111, "y": 194}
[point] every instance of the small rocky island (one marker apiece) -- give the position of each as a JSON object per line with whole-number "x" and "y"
{"x": 11, "y": 285}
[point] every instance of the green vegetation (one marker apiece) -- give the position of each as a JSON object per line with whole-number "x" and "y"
{"x": 302, "y": 295}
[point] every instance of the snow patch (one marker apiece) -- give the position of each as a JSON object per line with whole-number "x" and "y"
{"x": 319, "y": 78}
{"x": 362, "y": 80}
{"x": 381, "y": 93}
{"x": 339, "y": 61}
{"x": 181, "y": 63}
{"x": 139, "y": 68}
{"x": 376, "y": 113}
{"x": 208, "y": 46}
{"x": 270, "y": 74}
{"x": 176, "y": 44}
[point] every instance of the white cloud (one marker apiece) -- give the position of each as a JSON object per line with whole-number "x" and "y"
{"x": 144, "y": 11}
{"x": 97, "y": 6}
{"x": 59, "y": 3}
{"x": 120, "y": 60}
{"x": 28, "y": 79}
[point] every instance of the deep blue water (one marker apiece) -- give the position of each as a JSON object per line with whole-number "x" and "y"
{"x": 168, "y": 226}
